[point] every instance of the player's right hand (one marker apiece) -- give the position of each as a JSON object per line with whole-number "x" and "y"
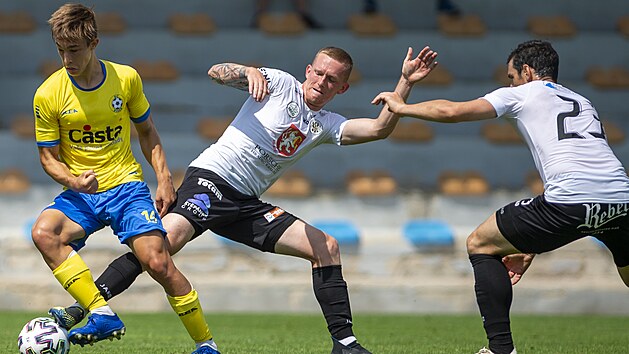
{"x": 258, "y": 86}
{"x": 86, "y": 182}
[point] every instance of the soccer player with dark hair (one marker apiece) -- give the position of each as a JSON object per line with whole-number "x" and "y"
{"x": 586, "y": 188}
{"x": 281, "y": 121}
{"x": 83, "y": 114}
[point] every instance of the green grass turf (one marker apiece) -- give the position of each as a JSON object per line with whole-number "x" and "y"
{"x": 297, "y": 333}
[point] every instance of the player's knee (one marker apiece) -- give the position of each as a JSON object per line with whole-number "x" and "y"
{"x": 157, "y": 264}
{"x": 473, "y": 243}
{"x": 333, "y": 246}
{"x": 43, "y": 236}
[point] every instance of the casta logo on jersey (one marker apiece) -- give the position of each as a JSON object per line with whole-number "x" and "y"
{"x": 88, "y": 136}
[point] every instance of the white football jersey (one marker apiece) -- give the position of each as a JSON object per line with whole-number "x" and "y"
{"x": 567, "y": 140}
{"x": 267, "y": 137}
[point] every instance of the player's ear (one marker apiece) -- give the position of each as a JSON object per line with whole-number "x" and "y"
{"x": 308, "y": 69}
{"x": 344, "y": 88}
{"x": 528, "y": 73}
{"x": 92, "y": 45}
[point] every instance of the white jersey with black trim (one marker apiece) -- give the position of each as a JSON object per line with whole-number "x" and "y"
{"x": 568, "y": 143}
{"x": 267, "y": 137}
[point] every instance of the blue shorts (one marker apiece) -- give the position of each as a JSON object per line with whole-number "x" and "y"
{"x": 128, "y": 209}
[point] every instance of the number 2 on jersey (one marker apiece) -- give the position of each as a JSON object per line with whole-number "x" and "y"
{"x": 561, "y": 117}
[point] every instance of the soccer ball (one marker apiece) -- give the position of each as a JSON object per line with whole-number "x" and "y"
{"x": 42, "y": 335}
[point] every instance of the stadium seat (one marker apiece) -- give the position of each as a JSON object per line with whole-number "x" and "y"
{"x": 161, "y": 70}
{"x": 192, "y": 24}
{"x": 614, "y": 133}
{"x": 343, "y": 231}
{"x": 551, "y": 26}
{"x": 498, "y": 132}
{"x": 292, "y": 184}
{"x": 440, "y": 76}
{"x": 534, "y": 183}
{"x": 213, "y": 127}
{"x": 623, "y": 25}
{"x": 428, "y": 235}
{"x": 14, "y": 181}
{"x": 371, "y": 25}
{"x": 17, "y": 22}
{"x": 23, "y": 126}
{"x": 282, "y": 24}
{"x": 469, "y": 25}
{"x": 49, "y": 66}
{"x": 365, "y": 184}
{"x": 608, "y": 78}
{"x": 412, "y": 131}
{"x": 110, "y": 23}
{"x": 466, "y": 183}
{"x": 500, "y": 75}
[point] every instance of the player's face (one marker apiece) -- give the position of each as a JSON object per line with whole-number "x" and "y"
{"x": 516, "y": 78}
{"x": 325, "y": 78}
{"x": 75, "y": 55}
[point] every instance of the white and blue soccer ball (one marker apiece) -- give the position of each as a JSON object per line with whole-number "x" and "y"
{"x": 42, "y": 335}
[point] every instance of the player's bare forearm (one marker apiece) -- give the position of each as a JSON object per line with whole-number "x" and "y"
{"x": 230, "y": 74}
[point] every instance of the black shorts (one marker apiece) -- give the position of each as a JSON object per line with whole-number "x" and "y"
{"x": 210, "y": 203}
{"x": 536, "y": 226}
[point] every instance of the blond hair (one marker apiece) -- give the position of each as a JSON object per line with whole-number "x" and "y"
{"x": 339, "y": 55}
{"x": 73, "y": 22}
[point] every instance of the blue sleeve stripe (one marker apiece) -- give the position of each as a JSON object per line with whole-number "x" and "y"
{"x": 48, "y": 143}
{"x": 143, "y": 117}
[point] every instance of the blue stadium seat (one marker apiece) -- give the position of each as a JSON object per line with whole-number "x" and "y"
{"x": 428, "y": 234}
{"x": 343, "y": 231}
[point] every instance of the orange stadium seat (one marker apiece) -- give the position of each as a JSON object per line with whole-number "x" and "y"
{"x": 193, "y": 24}
{"x": 500, "y": 133}
{"x": 461, "y": 25}
{"x": 23, "y": 126}
{"x": 440, "y": 76}
{"x": 17, "y": 22}
{"x": 14, "y": 181}
{"x": 413, "y": 131}
{"x": 614, "y": 133}
{"x": 551, "y": 26}
{"x": 466, "y": 183}
{"x": 161, "y": 70}
{"x": 110, "y": 23}
{"x": 49, "y": 66}
{"x": 376, "y": 183}
{"x": 608, "y": 78}
{"x": 282, "y": 24}
{"x": 292, "y": 184}
{"x": 213, "y": 127}
{"x": 500, "y": 75}
{"x": 534, "y": 183}
{"x": 371, "y": 24}
{"x": 623, "y": 25}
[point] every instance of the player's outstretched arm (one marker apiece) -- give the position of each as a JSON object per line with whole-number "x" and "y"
{"x": 153, "y": 151}
{"x": 414, "y": 69}
{"x": 241, "y": 77}
{"x": 442, "y": 111}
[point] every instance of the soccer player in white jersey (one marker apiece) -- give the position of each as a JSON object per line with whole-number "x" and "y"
{"x": 586, "y": 189}
{"x": 83, "y": 115}
{"x": 281, "y": 121}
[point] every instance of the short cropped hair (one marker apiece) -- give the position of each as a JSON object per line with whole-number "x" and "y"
{"x": 339, "y": 55}
{"x": 539, "y": 55}
{"x": 73, "y": 22}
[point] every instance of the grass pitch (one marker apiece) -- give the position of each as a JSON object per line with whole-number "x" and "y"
{"x": 382, "y": 334}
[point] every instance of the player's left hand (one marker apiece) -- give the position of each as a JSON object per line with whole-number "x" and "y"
{"x": 392, "y": 99}
{"x": 414, "y": 70}
{"x": 517, "y": 264}
{"x": 165, "y": 195}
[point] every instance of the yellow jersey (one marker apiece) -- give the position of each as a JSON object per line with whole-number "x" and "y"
{"x": 92, "y": 126}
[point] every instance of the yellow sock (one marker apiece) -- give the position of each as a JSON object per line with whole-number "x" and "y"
{"x": 76, "y": 279}
{"x": 190, "y": 312}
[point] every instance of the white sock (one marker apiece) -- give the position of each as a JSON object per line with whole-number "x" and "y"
{"x": 103, "y": 310}
{"x": 347, "y": 341}
{"x": 209, "y": 343}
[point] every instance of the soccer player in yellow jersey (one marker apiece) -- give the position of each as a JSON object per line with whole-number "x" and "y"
{"x": 82, "y": 117}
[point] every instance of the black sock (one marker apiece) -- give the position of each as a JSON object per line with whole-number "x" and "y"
{"x": 331, "y": 291}
{"x": 494, "y": 295}
{"x": 119, "y": 275}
